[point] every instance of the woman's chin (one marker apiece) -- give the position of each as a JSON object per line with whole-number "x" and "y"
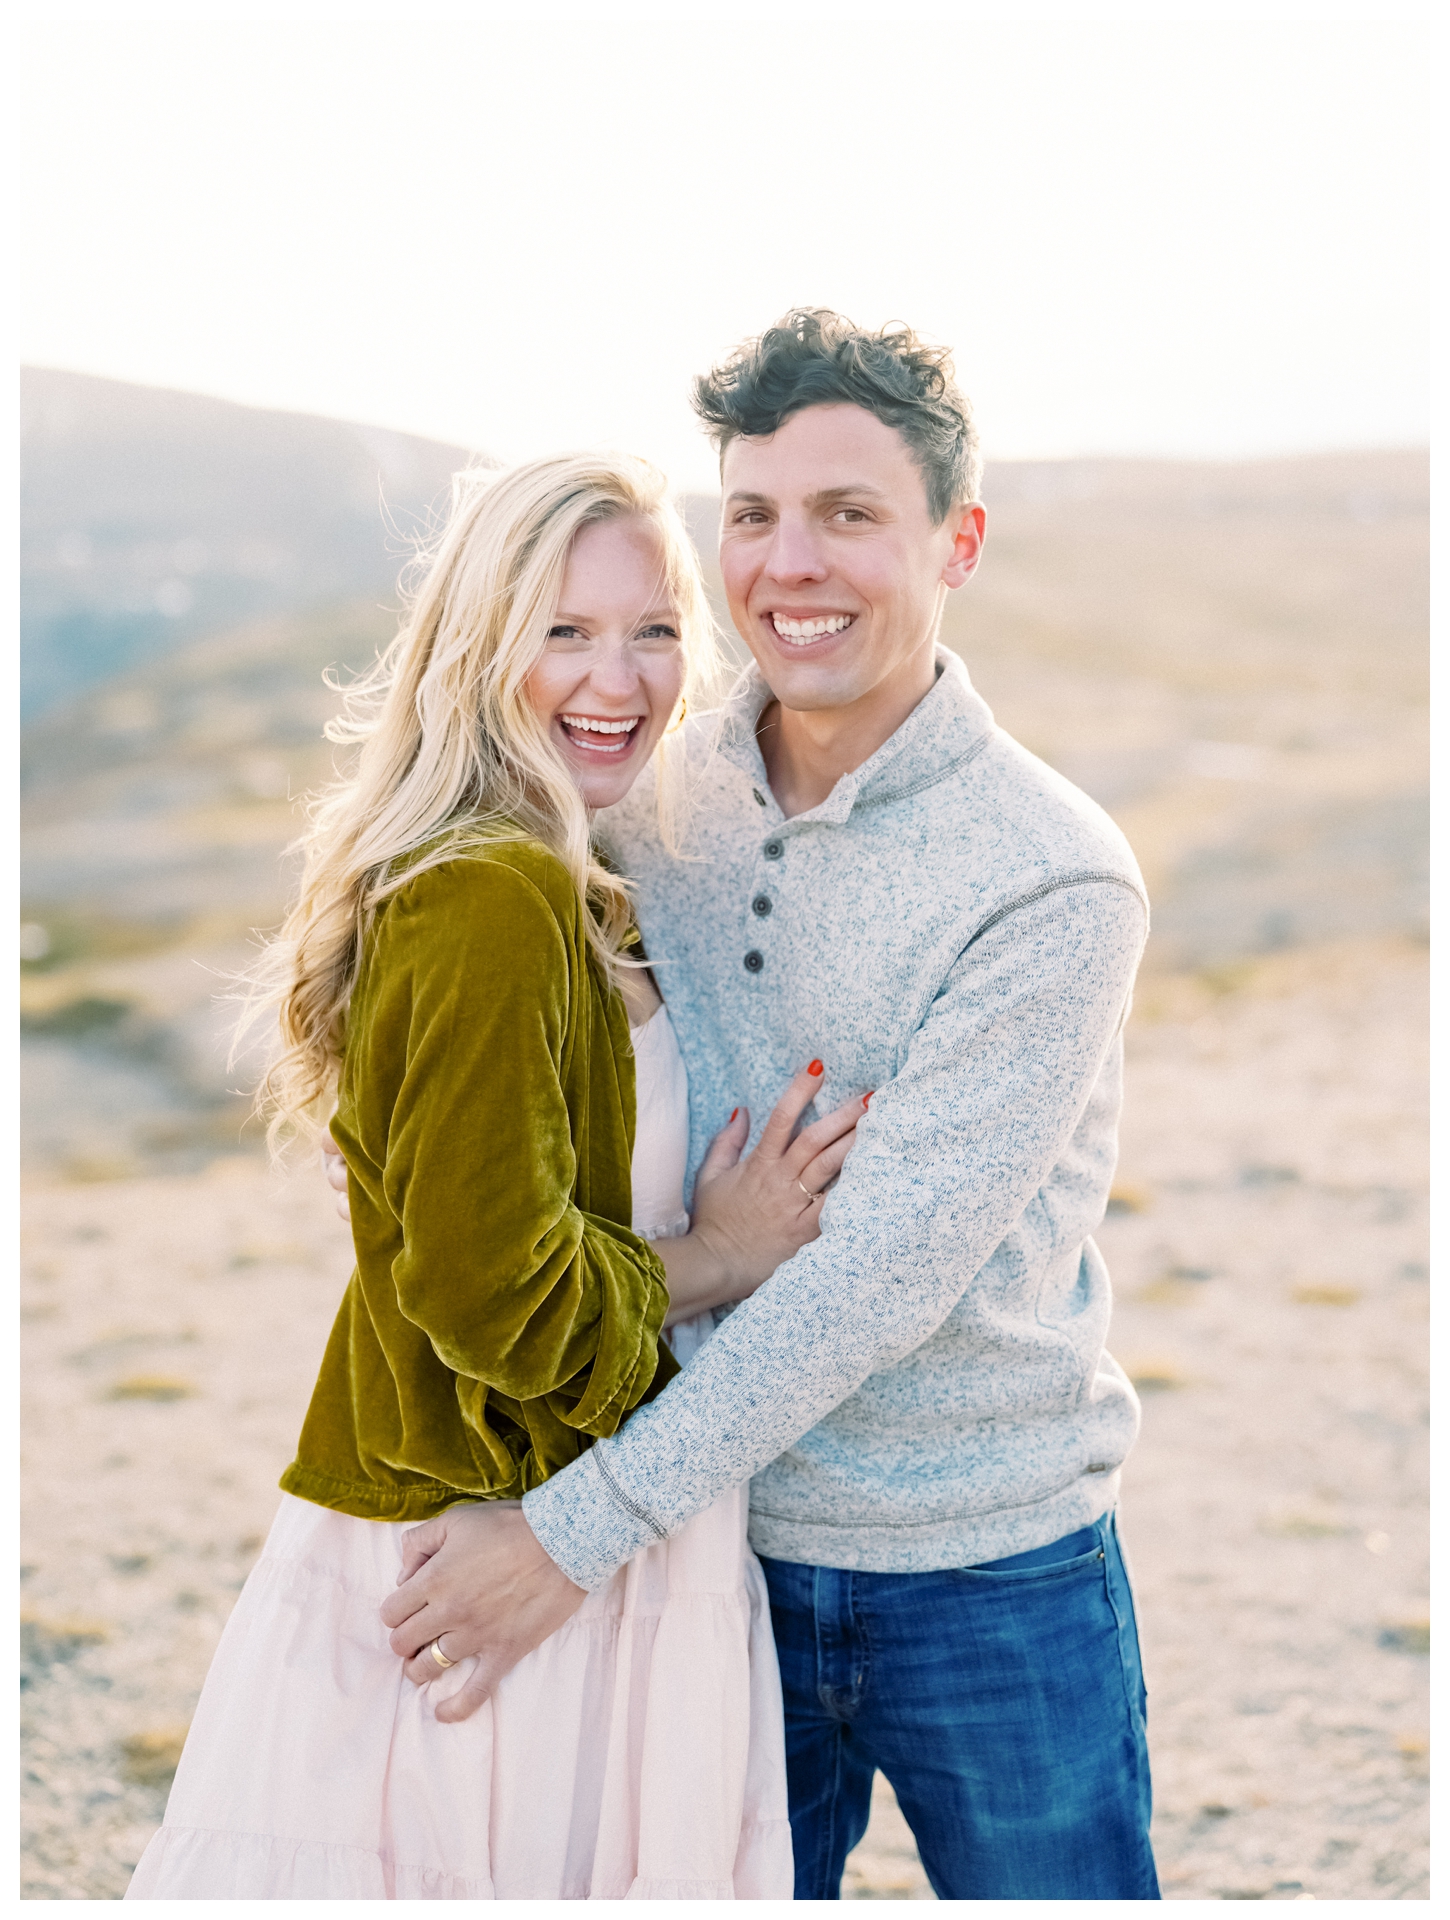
{"x": 605, "y": 780}
{"x": 605, "y": 789}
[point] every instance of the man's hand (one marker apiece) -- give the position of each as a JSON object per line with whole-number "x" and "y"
{"x": 334, "y": 1169}
{"x": 477, "y": 1580}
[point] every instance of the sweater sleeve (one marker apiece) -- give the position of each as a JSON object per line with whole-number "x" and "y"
{"x": 515, "y": 1287}
{"x": 992, "y": 1087}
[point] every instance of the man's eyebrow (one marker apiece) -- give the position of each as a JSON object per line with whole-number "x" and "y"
{"x": 822, "y": 499}
{"x": 828, "y": 494}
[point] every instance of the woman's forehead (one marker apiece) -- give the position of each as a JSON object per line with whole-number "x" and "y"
{"x": 616, "y": 562}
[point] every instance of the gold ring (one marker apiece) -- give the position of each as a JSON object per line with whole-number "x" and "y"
{"x": 440, "y": 1656}
{"x": 812, "y": 1197}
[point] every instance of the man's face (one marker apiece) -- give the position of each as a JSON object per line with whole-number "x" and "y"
{"x": 834, "y": 571}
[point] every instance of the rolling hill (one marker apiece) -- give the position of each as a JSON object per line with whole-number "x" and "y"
{"x": 149, "y": 517}
{"x": 1231, "y": 658}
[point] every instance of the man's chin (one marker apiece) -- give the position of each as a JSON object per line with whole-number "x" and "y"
{"x": 809, "y": 686}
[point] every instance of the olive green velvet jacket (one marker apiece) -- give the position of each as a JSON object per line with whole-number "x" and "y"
{"x": 502, "y": 1315}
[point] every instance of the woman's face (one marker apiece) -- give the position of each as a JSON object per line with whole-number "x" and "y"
{"x": 613, "y": 668}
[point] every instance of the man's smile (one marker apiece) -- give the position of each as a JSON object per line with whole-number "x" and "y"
{"x": 802, "y": 631}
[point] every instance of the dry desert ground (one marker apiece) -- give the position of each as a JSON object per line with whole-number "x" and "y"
{"x": 1269, "y": 1252}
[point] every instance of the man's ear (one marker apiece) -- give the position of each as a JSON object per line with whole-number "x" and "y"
{"x": 966, "y": 546}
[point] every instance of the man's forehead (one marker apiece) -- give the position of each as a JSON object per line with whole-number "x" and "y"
{"x": 819, "y": 451}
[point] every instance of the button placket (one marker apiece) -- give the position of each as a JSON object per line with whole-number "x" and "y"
{"x": 763, "y": 901}
{"x": 762, "y": 906}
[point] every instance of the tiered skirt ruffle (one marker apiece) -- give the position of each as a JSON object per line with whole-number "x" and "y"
{"x": 637, "y": 1754}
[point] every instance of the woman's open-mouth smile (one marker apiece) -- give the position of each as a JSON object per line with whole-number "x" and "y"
{"x": 600, "y": 737}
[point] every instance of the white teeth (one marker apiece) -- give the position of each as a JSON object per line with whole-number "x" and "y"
{"x": 804, "y": 631}
{"x": 599, "y": 726}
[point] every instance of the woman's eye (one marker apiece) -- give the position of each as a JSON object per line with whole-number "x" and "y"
{"x": 659, "y": 632}
{"x": 565, "y": 633}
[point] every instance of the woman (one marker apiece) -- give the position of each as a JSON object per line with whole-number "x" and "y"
{"x": 457, "y": 976}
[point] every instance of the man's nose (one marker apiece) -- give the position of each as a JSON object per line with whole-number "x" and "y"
{"x": 795, "y": 554}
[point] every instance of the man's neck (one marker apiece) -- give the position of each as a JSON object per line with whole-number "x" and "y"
{"x": 806, "y": 751}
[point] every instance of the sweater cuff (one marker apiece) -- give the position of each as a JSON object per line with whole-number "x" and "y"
{"x": 586, "y": 1523}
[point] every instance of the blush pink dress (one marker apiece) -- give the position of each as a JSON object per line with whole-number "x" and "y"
{"x": 637, "y": 1754}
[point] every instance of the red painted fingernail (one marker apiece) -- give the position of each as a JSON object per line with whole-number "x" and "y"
{"x": 867, "y": 1098}
{"x": 733, "y": 1112}
{"x": 816, "y": 1068}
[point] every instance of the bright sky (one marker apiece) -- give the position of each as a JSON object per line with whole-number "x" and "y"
{"x": 1177, "y": 238}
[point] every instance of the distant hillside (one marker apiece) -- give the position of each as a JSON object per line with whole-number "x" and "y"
{"x": 1232, "y": 659}
{"x": 149, "y": 518}
{"x": 166, "y": 795}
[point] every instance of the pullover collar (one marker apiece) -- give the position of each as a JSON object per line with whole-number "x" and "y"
{"x": 947, "y": 727}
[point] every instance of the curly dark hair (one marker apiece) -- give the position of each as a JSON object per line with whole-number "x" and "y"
{"x": 814, "y": 357}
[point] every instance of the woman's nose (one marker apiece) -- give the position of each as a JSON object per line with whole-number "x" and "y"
{"x": 614, "y": 674}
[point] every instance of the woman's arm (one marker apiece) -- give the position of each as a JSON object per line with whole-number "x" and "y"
{"x": 456, "y": 1123}
{"x": 744, "y": 1226}
{"x": 698, "y": 1264}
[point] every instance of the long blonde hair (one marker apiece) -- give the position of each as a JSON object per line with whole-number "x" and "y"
{"x": 451, "y": 754}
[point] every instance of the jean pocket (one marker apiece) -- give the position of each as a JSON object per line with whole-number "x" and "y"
{"x": 998, "y": 1576}
{"x": 1074, "y": 1552}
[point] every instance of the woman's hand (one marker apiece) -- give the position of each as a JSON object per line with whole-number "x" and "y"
{"x": 477, "y": 1580}
{"x": 750, "y": 1215}
{"x": 334, "y": 1169}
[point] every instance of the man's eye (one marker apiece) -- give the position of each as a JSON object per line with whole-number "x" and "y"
{"x": 855, "y": 516}
{"x": 750, "y": 517}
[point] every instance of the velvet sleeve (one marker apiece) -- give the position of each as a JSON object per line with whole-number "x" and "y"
{"x": 515, "y": 1285}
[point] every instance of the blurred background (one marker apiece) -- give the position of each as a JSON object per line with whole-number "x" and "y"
{"x": 280, "y": 282}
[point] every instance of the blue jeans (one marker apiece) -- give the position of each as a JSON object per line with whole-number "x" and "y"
{"x": 1005, "y": 1705}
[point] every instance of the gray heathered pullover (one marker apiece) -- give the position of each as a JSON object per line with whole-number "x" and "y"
{"x": 925, "y": 1385}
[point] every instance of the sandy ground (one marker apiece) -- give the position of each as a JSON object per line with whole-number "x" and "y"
{"x": 1269, "y": 1250}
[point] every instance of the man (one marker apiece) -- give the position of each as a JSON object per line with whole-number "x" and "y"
{"x": 922, "y": 1394}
